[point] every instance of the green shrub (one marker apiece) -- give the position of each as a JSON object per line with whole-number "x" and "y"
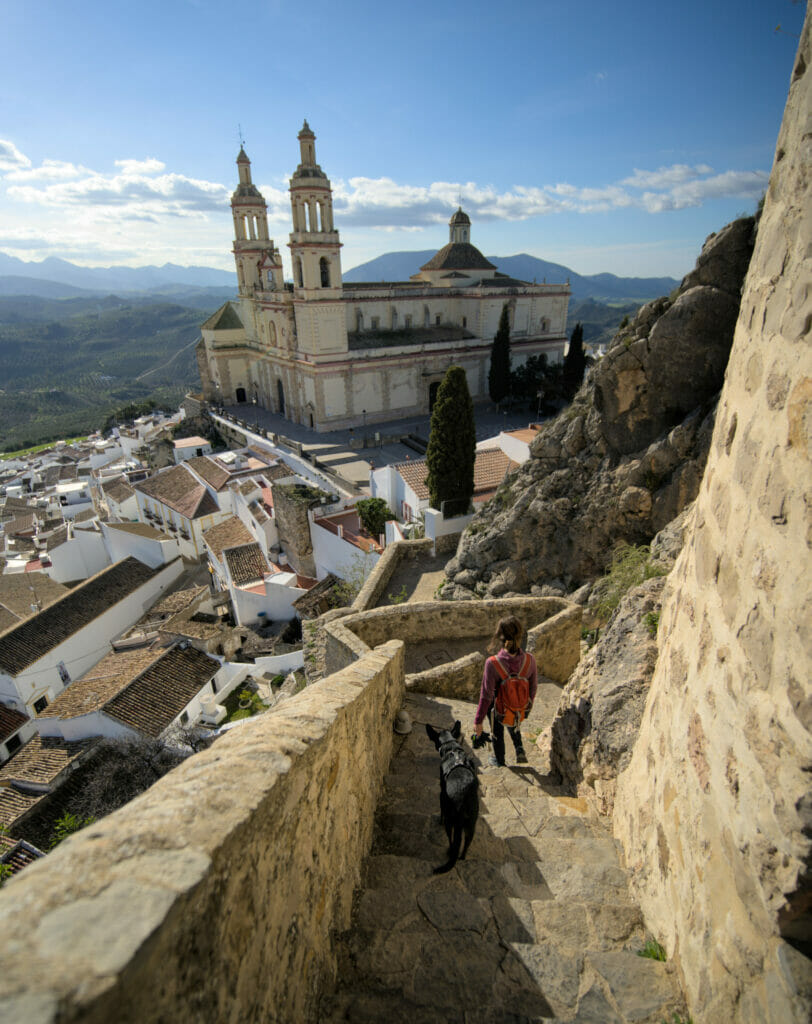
{"x": 652, "y": 621}
{"x": 631, "y": 565}
{"x": 401, "y": 596}
{"x": 5, "y": 874}
{"x": 652, "y": 950}
{"x": 66, "y": 826}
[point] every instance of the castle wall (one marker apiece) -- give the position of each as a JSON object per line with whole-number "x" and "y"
{"x": 212, "y": 897}
{"x": 714, "y": 810}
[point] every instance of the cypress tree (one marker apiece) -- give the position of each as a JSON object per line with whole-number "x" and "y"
{"x": 499, "y": 372}
{"x": 452, "y": 446}
{"x": 574, "y": 362}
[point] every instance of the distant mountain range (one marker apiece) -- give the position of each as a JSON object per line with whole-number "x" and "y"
{"x": 399, "y": 266}
{"x": 55, "y": 278}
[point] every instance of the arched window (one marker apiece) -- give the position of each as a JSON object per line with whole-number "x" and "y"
{"x": 359, "y": 320}
{"x": 272, "y": 333}
{"x": 426, "y": 316}
{"x": 299, "y": 272}
{"x": 324, "y": 270}
{"x": 393, "y": 315}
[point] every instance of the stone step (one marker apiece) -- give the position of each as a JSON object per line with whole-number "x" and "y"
{"x": 536, "y": 924}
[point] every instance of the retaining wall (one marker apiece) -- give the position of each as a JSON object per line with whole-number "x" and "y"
{"x": 213, "y": 895}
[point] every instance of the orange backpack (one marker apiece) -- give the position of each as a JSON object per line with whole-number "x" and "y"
{"x": 513, "y": 694}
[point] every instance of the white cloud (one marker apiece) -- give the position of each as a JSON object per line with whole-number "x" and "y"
{"x": 10, "y": 157}
{"x": 665, "y": 177}
{"x": 148, "y": 166}
{"x": 49, "y": 170}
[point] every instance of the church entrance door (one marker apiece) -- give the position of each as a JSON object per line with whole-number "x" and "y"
{"x": 280, "y": 392}
{"x": 240, "y": 394}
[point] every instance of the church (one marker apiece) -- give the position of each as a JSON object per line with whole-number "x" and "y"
{"x": 331, "y": 354}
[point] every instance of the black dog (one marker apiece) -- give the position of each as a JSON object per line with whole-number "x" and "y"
{"x": 459, "y": 793}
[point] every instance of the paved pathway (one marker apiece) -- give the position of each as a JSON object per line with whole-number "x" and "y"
{"x": 535, "y": 925}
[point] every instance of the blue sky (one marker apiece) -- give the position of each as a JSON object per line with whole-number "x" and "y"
{"x": 605, "y": 136}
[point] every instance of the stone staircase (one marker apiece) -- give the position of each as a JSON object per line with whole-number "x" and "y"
{"x": 537, "y": 923}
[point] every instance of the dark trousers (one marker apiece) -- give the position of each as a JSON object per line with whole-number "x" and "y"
{"x": 498, "y": 735}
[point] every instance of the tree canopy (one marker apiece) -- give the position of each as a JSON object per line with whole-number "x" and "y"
{"x": 373, "y": 513}
{"x": 499, "y": 372}
{"x": 452, "y": 446}
{"x": 574, "y": 362}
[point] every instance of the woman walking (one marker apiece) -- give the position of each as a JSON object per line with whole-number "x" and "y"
{"x": 510, "y": 672}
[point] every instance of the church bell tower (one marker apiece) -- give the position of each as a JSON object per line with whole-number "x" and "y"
{"x": 314, "y": 243}
{"x": 259, "y": 265}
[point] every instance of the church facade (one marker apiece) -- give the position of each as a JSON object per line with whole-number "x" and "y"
{"x": 330, "y": 354}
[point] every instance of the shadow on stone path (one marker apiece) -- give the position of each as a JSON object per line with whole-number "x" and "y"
{"x": 535, "y": 925}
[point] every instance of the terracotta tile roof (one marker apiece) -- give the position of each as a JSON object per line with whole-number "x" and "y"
{"x": 208, "y": 470}
{"x": 17, "y": 593}
{"x": 10, "y": 721}
{"x": 139, "y": 530}
{"x": 17, "y": 853}
{"x": 118, "y": 490}
{"x": 229, "y": 534}
{"x": 224, "y": 319}
{"x": 57, "y": 537}
{"x": 190, "y": 442}
{"x": 458, "y": 256}
{"x": 247, "y": 564}
{"x": 13, "y": 503}
{"x": 21, "y": 524}
{"x": 259, "y": 511}
{"x": 277, "y": 472}
{"x": 23, "y": 644}
{"x": 85, "y": 515}
{"x": 414, "y": 473}
{"x": 14, "y": 804}
{"x": 248, "y": 487}
{"x": 194, "y": 628}
{"x": 179, "y": 490}
{"x": 176, "y": 602}
{"x": 152, "y": 701}
{"x": 42, "y": 759}
{"x": 524, "y": 433}
{"x": 101, "y": 683}
{"x": 7, "y": 618}
{"x": 490, "y": 467}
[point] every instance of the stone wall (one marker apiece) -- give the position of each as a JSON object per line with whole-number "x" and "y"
{"x": 212, "y": 896}
{"x": 714, "y": 810}
{"x": 388, "y": 563}
{"x": 553, "y": 624}
{"x": 293, "y": 523}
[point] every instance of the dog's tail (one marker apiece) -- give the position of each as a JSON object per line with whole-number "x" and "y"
{"x": 453, "y": 850}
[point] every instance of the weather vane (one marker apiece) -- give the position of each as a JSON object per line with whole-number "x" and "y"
{"x": 242, "y": 140}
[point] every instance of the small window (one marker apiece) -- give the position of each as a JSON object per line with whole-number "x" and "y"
{"x": 437, "y": 320}
{"x": 200, "y": 450}
{"x": 40, "y": 705}
{"x": 13, "y": 743}
{"x": 465, "y": 321}
{"x": 375, "y": 323}
{"x": 213, "y": 686}
{"x": 407, "y": 320}
{"x": 184, "y": 718}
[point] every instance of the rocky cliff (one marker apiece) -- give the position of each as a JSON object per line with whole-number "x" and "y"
{"x": 628, "y": 455}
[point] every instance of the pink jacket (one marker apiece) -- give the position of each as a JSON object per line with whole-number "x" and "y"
{"x": 490, "y": 679}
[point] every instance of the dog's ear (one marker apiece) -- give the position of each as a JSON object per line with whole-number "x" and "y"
{"x": 457, "y": 730}
{"x": 433, "y": 735}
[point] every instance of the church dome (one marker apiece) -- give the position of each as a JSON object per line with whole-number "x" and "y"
{"x": 458, "y": 256}
{"x": 459, "y": 218}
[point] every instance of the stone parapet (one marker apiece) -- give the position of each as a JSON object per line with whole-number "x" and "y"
{"x": 553, "y": 625}
{"x": 379, "y": 578}
{"x": 213, "y": 896}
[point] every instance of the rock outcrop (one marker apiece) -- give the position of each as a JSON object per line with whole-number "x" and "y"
{"x": 628, "y": 455}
